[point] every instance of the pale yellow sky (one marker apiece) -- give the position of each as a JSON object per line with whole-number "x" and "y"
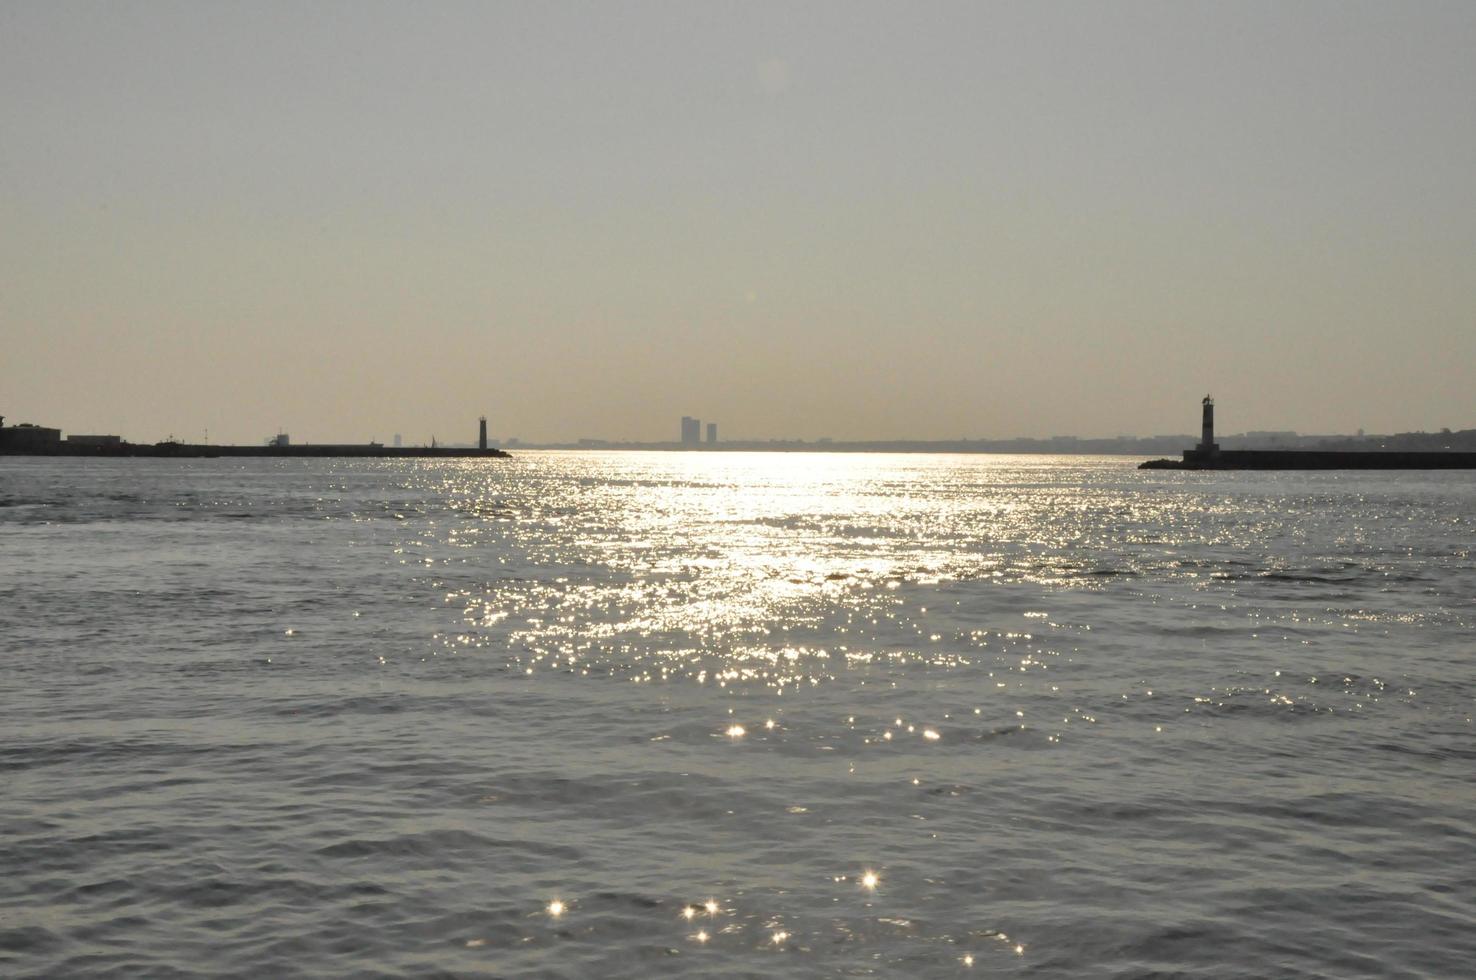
{"x": 854, "y": 220}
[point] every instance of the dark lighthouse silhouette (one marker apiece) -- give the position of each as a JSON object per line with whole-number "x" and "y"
{"x": 1209, "y": 456}
{"x": 1207, "y": 442}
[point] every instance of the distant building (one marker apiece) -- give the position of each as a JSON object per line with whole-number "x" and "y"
{"x": 281, "y": 440}
{"x": 711, "y": 433}
{"x": 1271, "y": 437}
{"x": 399, "y": 442}
{"x": 691, "y": 431}
{"x": 95, "y": 440}
{"x": 482, "y": 436}
{"x": 30, "y": 438}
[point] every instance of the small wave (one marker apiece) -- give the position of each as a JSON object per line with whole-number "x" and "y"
{"x": 438, "y": 843}
{"x": 1324, "y": 579}
{"x": 29, "y": 939}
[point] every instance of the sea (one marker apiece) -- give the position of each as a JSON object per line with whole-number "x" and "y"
{"x": 723, "y": 714}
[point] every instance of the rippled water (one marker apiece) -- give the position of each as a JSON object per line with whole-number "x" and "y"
{"x": 600, "y": 715}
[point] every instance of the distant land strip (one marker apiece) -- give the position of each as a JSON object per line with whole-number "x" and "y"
{"x": 1443, "y": 441}
{"x": 184, "y": 450}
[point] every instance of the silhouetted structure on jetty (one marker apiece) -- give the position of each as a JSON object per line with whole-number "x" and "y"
{"x": 35, "y": 440}
{"x": 1209, "y": 456}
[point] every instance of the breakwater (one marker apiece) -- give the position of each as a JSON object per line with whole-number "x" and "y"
{"x": 1278, "y": 459}
{"x": 27, "y": 439}
{"x": 184, "y": 450}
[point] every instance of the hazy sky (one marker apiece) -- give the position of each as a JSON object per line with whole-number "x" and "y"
{"x": 850, "y": 219}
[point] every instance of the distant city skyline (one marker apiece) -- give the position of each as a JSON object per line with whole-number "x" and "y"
{"x": 689, "y": 437}
{"x": 853, "y": 220}
{"x": 692, "y": 434}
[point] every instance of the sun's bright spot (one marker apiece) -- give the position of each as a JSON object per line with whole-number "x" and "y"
{"x": 968, "y": 959}
{"x": 780, "y": 936}
{"x": 736, "y": 731}
{"x": 710, "y": 906}
{"x": 869, "y": 881}
{"x": 556, "y": 908}
{"x": 931, "y": 735}
{"x": 689, "y": 913}
{"x": 701, "y": 936}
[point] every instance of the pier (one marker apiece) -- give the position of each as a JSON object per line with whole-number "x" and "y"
{"x": 1209, "y": 456}
{"x": 36, "y": 440}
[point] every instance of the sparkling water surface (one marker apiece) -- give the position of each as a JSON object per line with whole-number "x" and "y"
{"x": 731, "y": 714}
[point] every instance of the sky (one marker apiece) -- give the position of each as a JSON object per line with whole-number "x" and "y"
{"x": 853, "y": 220}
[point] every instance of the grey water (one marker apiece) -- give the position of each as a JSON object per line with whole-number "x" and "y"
{"x": 726, "y": 714}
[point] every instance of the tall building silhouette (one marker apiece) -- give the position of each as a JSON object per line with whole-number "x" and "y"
{"x": 711, "y": 433}
{"x": 691, "y": 431}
